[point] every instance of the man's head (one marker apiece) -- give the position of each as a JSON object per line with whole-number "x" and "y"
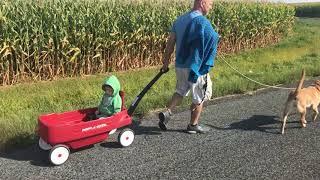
{"x": 203, "y": 5}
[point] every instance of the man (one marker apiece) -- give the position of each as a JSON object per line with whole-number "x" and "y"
{"x": 196, "y": 47}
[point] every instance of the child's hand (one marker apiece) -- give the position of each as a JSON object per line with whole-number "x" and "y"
{"x": 96, "y": 112}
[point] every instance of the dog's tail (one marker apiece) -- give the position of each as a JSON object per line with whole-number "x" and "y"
{"x": 299, "y": 87}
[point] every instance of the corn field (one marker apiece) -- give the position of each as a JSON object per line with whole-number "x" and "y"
{"x": 46, "y": 39}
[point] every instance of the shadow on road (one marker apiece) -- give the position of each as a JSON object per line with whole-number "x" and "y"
{"x": 151, "y": 130}
{"x": 39, "y": 157}
{"x": 262, "y": 123}
{"x": 142, "y": 130}
{"x": 34, "y": 154}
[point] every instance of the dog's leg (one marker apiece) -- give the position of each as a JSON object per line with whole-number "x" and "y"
{"x": 315, "y": 112}
{"x": 285, "y": 115}
{"x": 284, "y": 122}
{"x": 301, "y": 107}
{"x": 303, "y": 119}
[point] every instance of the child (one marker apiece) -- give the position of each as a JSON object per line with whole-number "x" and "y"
{"x": 111, "y": 101}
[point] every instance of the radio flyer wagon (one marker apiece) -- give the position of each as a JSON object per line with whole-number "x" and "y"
{"x": 60, "y": 132}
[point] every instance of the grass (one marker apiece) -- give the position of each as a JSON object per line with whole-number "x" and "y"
{"x": 279, "y": 64}
{"x": 282, "y": 63}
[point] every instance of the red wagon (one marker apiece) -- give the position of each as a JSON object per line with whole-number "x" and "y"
{"x": 60, "y": 132}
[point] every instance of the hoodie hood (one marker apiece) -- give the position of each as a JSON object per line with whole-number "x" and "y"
{"x": 114, "y": 83}
{"x": 110, "y": 105}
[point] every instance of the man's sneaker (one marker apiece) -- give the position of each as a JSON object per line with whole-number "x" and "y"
{"x": 193, "y": 129}
{"x": 164, "y": 117}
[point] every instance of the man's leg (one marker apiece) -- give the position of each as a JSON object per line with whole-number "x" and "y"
{"x": 194, "y": 126}
{"x": 196, "y": 110}
{"x": 182, "y": 89}
{"x": 165, "y": 116}
{"x": 175, "y": 101}
{"x": 201, "y": 91}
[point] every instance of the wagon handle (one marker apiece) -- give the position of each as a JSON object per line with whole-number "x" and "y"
{"x": 136, "y": 101}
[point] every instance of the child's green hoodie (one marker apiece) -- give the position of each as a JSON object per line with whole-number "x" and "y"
{"x": 110, "y": 105}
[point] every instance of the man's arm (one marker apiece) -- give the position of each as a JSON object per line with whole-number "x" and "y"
{"x": 168, "y": 51}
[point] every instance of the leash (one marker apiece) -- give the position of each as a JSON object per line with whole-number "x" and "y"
{"x": 266, "y": 85}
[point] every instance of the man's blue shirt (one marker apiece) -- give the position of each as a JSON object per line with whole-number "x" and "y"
{"x": 196, "y": 44}
{"x": 179, "y": 27}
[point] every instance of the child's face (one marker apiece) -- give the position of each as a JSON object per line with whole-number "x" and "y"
{"x": 108, "y": 90}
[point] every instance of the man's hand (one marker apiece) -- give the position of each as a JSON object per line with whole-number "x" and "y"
{"x": 165, "y": 66}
